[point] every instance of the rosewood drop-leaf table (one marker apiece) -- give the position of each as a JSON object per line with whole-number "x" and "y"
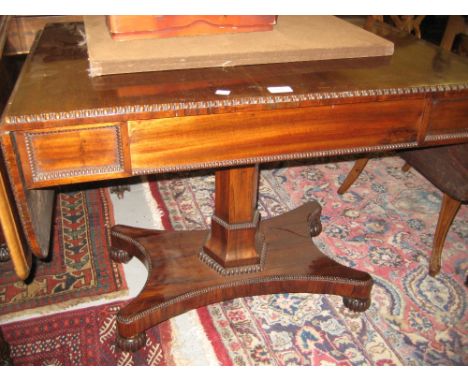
{"x": 62, "y": 127}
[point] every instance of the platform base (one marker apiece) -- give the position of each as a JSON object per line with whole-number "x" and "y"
{"x": 179, "y": 280}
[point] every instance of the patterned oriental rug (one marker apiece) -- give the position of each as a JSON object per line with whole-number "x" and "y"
{"x": 79, "y": 269}
{"x": 384, "y": 225}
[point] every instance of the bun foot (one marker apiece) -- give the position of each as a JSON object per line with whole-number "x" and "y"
{"x": 120, "y": 255}
{"x": 314, "y": 223}
{"x": 356, "y": 304}
{"x": 131, "y": 344}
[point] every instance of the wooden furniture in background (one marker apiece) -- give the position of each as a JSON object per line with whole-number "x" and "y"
{"x": 23, "y": 30}
{"x": 456, "y": 25}
{"x": 81, "y": 129}
{"x": 409, "y": 24}
{"x": 445, "y": 167}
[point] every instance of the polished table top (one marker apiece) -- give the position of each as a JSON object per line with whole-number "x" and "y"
{"x": 55, "y": 84}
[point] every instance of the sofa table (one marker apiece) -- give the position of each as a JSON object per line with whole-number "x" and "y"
{"x": 63, "y": 127}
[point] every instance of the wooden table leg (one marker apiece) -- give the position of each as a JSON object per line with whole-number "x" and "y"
{"x": 238, "y": 257}
{"x": 234, "y": 245}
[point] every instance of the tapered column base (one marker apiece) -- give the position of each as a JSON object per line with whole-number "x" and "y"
{"x": 179, "y": 281}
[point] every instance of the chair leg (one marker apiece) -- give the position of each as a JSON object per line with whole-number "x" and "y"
{"x": 353, "y": 175}
{"x": 447, "y": 213}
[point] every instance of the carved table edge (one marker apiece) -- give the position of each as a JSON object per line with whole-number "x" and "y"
{"x": 234, "y": 284}
{"x": 235, "y": 102}
{"x": 275, "y": 158}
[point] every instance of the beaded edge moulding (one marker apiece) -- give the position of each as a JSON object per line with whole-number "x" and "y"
{"x": 246, "y": 101}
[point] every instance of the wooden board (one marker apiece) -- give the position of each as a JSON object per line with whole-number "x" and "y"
{"x": 294, "y": 38}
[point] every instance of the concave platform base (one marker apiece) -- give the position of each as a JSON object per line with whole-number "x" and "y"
{"x": 179, "y": 280}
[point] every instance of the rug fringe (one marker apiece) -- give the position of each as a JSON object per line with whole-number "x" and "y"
{"x": 60, "y": 307}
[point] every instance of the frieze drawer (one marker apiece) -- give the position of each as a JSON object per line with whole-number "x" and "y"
{"x": 173, "y": 144}
{"x": 448, "y": 120}
{"x": 73, "y": 154}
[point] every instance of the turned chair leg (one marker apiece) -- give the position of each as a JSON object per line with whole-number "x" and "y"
{"x": 358, "y": 167}
{"x": 448, "y": 210}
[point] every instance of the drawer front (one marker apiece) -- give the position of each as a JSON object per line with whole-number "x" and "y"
{"x": 448, "y": 117}
{"x": 224, "y": 139}
{"x": 75, "y": 154}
